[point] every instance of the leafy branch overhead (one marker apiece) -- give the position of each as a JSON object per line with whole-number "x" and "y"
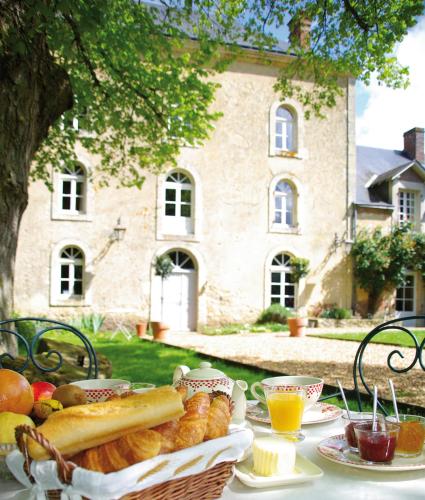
{"x": 140, "y": 77}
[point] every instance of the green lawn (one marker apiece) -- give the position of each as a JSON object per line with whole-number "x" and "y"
{"x": 388, "y": 337}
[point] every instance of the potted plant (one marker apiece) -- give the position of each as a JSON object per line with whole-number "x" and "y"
{"x": 141, "y": 328}
{"x": 163, "y": 267}
{"x": 298, "y": 322}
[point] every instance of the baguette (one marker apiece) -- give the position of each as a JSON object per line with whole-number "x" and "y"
{"x": 81, "y": 427}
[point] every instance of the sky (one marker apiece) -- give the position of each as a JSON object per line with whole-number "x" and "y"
{"x": 384, "y": 114}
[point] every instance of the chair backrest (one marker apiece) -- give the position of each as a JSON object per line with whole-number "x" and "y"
{"x": 392, "y": 325}
{"x": 28, "y": 346}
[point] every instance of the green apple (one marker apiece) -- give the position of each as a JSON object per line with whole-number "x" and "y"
{"x": 8, "y": 422}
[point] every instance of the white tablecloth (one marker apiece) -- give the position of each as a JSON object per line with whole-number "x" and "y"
{"x": 338, "y": 482}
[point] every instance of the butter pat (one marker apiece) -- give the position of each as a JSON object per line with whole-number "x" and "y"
{"x": 273, "y": 456}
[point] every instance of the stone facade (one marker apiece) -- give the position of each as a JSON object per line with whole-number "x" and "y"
{"x": 232, "y": 240}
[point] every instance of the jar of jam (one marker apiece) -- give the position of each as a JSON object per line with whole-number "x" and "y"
{"x": 377, "y": 446}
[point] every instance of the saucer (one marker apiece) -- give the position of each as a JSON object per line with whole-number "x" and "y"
{"x": 304, "y": 471}
{"x": 318, "y": 413}
{"x": 336, "y": 450}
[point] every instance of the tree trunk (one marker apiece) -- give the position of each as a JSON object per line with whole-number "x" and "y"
{"x": 34, "y": 93}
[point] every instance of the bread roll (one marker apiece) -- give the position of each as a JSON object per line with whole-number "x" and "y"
{"x": 81, "y": 427}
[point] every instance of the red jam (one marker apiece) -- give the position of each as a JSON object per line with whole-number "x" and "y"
{"x": 376, "y": 447}
{"x": 350, "y": 436}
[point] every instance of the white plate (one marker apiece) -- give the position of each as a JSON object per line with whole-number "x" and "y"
{"x": 318, "y": 413}
{"x": 336, "y": 450}
{"x": 304, "y": 471}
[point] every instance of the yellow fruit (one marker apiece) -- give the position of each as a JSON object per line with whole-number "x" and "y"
{"x": 8, "y": 422}
{"x": 45, "y": 407}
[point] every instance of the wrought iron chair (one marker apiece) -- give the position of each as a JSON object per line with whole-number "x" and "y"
{"x": 41, "y": 327}
{"x": 358, "y": 366}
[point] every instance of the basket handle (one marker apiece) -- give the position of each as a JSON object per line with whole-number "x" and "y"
{"x": 65, "y": 468}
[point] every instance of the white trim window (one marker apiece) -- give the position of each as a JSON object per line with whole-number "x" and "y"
{"x": 406, "y": 206}
{"x": 178, "y": 203}
{"x": 181, "y": 260}
{"x": 405, "y": 296}
{"x": 72, "y": 190}
{"x": 284, "y": 136}
{"x": 71, "y": 265}
{"x": 284, "y": 207}
{"x": 282, "y": 286}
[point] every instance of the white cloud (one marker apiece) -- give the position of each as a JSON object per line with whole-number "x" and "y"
{"x": 388, "y": 113}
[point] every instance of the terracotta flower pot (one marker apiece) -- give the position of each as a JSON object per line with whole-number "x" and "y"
{"x": 159, "y": 330}
{"x": 297, "y": 326}
{"x": 141, "y": 329}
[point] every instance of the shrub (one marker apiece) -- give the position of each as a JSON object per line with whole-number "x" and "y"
{"x": 91, "y": 322}
{"x": 336, "y": 313}
{"x": 276, "y": 313}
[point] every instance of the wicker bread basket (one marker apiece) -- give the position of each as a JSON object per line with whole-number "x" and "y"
{"x": 206, "y": 485}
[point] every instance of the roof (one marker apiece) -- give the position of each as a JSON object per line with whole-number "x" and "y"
{"x": 376, "y": 166}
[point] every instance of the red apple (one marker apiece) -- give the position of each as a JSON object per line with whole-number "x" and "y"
{"x": 43, "y": 390}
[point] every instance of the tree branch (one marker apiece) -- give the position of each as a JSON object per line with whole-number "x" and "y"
{"x": 359, "y": 20}
{"x": 78, "y": 41}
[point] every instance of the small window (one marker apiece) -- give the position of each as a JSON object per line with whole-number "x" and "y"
{"x": 406, "y": 206}
{"x": 178, "y": 204}
{"x": 282, "y": 286}
{"x": 284, "y": 204}
{"x": 71, "y": 263}
{"x": 284, "y": 130}
{"x": 181, "y": 260}
{"x": 72, "y": 190}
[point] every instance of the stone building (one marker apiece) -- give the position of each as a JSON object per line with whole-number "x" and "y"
{"x": 268, "y": 185}
{"x": 391, "y": 190}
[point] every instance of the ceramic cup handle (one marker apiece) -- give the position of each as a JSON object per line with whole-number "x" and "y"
{"x": 260, "y": 398}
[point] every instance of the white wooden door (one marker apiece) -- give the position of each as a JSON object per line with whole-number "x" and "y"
{"x": 405, "y": 302}
{"x": 179, "y": 305}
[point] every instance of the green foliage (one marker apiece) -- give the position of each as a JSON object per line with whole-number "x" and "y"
{"x": 336, "y": 313}
{"x": 163, "y": 266}
{"x": 300, "y": 268}
{"x": 275, "y": 313}
{"x": 239, "y": 328}
{"x": 381, "y": 260}
{"x": 89, "y": 322}
{"x": 142, "y": 88}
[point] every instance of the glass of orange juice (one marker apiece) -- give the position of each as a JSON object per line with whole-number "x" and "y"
{"x": 286, "y": 410}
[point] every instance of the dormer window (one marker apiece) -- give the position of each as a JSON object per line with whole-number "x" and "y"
{"x": 406, "y": 206}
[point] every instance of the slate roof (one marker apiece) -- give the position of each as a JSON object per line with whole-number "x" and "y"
{"x": 381, "y": 163}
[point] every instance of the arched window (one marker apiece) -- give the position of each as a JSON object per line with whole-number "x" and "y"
{"x": 284, "y": 207}
{"x": 181, "y": 260}
{"x": 282, "y": 282}
{"x": 284, "y": 130}
{"x": 72, "y": 190}
{"x": 178, "y": 204}
{"x": 71, "y": 264}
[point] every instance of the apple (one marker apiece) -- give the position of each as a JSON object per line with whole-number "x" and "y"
{"x": 43, "y": 390}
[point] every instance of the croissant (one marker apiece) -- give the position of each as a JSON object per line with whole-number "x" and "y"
{"x": 193, "y": 424}
{"x": 219, "y": 416}
{"x": 141, "y": 445}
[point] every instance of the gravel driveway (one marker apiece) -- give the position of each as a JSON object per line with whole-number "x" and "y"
{"x": 325, "y": 358}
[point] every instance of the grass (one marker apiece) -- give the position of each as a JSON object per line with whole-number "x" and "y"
{"x": 392, "y": 337}
{"x": 238, "y": 328}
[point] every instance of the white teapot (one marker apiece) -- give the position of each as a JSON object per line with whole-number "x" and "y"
{"x": 208, "y": 379}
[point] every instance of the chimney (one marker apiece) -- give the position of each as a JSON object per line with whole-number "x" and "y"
{"x": 414, "y": 144}
{"x": 299, "y": 31}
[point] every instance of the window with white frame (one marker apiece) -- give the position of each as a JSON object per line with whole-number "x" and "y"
{"x": 283, "y": 288}
{"x": 285, "y": 132}
{"x": 178, "y": 203}
{"x": 72, "y": 190}
{"x": 284, "y": 207}
{"x": 71, "y": 265}
{"x": 406, "y": 206}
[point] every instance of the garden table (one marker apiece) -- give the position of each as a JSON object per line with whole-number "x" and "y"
{"x": 338, "y": 482}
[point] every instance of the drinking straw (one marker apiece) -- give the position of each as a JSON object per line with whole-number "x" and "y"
{"x": 390, "y": 383}
{"x": 375, "y": 404}
{"x": 345, "y": 401}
